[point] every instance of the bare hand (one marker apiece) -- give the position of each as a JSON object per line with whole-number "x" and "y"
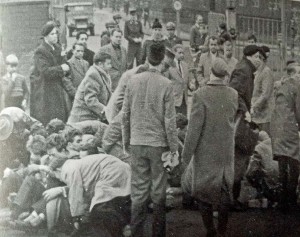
{"x": 52, "y": 193}
{"x": 65, "y": 67}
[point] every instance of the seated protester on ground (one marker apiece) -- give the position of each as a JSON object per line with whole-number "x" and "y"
{"x": 262, "y": 172}
{"x": 58, "y": 207}
{"x": 30, "y": 193}
{"x": 55, "y": 126}
{"x": 99, "y": 184}
{"x": 14, "y": 132}
{"x": 12, "y": 179}
{"x": 38, "y": 129}
{"x": 60, "y": 147}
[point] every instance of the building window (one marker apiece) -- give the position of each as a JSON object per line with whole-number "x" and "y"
{"x": 242, "y": 3}
{"x": 212, "y": 5}
{"x": 256, "y": 3}
{"x": 274, "y": 4}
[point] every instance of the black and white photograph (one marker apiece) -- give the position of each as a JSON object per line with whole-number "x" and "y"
{"x": 149, "y": 118}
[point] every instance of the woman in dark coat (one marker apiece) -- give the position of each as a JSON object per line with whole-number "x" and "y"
{"x": 47, "y": 93}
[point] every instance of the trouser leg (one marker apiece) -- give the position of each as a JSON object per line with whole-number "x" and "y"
{"x": 140, "y": 189}
{"x": 241, "y": 163}
{"x": 130, "y": 55}
{"x": 223, "y": 210}
{"x": 138, "y": 54}
{"x": 158, "y": 191}
{"x": 293, "y": 181}
{"x": 206, "y": 210}
{"x": 30, "y": 192}
{"x": 283, "y": 178}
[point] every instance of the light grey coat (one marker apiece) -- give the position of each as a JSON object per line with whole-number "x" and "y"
{"x": 209, "y": 144}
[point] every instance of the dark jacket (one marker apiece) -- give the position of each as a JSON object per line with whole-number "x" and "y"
{"x": 91, "y": 97}
{"x": 88, "y": 55}
{"x": 133, "y": 30}
{"x": 148, "y": 110}
{"x": 172, "y": 41}
{"x": 197, "y": 39}
{"x": 47, "y": 92}
{"x": 242, "y": 80}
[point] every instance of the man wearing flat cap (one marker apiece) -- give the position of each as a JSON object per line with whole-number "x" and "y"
{"x": 105, "y": 36}
{"x": 133, "y": 33}
{"x": 117, "y": 18}
{"x": 242, "y": 80}
{"x": 208, "y": 152}
{"x": 172, "y": 38}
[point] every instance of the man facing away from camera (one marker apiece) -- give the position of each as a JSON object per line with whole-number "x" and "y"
{"x": 149, "y": 128}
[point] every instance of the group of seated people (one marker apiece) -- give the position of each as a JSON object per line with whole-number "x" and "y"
{"x": 70, "y": 183}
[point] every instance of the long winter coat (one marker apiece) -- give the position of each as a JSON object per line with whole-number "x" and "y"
{"x": 47, "y": 92}
{"x": 286, "y": 115}
{"x": 209, "y": 143}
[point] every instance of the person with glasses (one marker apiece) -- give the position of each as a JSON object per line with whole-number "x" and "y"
{"x": 14, "y": 85}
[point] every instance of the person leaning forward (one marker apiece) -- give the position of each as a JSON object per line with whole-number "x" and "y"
{"x": 93, "y": 94}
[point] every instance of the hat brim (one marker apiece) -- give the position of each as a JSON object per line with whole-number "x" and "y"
{"x": 4, "y": 136}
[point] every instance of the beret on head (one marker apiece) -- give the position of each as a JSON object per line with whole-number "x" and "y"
{"x": 170, "y": 26}
{"x": 249, "y": 50}
{"x": 156, "y": 24}
{"x": 219, "y": 68}
{"x": 47, "y": 28}
{"x": 156, "y": 53}
{"x": 223, "y": 26}
{"x": 264, "y": 51}
{"x": 132, "y": 10}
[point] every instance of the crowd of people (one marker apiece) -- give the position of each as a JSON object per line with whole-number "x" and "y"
{"x": 109, "y": 131}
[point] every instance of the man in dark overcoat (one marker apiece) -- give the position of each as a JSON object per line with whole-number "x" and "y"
{"x": 47, "y": 92}
{"x": 242, "y": 80}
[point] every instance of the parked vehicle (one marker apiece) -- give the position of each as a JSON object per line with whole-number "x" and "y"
{"x": 80, "y": 16}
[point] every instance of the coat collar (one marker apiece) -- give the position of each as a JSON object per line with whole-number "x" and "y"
{"x": 104, "y": 77}
{"x": 213, "y": 80}
{"x": 248, "y": 62}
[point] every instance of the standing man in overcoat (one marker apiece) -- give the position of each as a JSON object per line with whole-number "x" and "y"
{"x": 133, "y": 32}
{"x": 208, "y": 151}
{"x": 242, "y": 80}
{"x": 47, "y": 92}
{"x": 118, "y": 57}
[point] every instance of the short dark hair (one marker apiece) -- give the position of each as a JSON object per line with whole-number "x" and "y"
{"x": 223, "y": 26}
{"x": 212, "y": 38}
{"x": 55, "y": 126}
{"x": 69, "y": 133}
{"x": 81, "y": 33}
{"x": 57, "y": 141}
{"x": 101, "y": 57}
{"x": 252, "y": 37}
{"x": 116, "y": 30}
{"x": 37, "y": 145}
{"x": 77, "y": 43}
